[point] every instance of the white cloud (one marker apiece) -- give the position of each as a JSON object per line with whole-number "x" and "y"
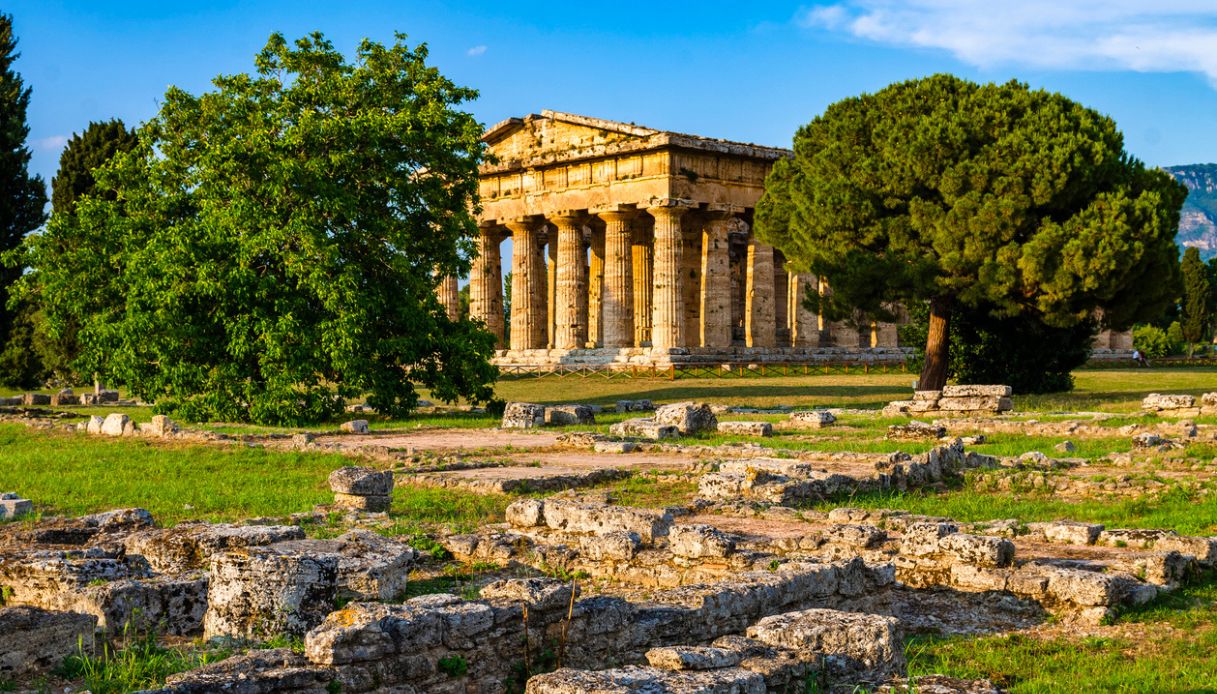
{"x": 475, "y": 51}
{"x": 54, "y": 143}
{"x": 1159, "y": 36}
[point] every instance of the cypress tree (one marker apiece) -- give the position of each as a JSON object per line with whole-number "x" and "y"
{"x": 85, "y": 152}
{"x": 22, "y": 196}
{"x": 1196, "y": 297}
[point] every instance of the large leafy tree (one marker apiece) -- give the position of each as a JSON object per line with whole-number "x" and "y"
{"x": 22, "y": 199}
{"x": 1018, "y": 201}
{"x": 66, "y": 242}
{"x": 274, "y": 243}
{"x": 1197, "y": 299}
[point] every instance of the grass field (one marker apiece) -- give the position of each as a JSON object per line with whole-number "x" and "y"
{"x": 1170, "y": 645}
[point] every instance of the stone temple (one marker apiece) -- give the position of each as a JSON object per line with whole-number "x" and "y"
{"x": 634, "y": 247}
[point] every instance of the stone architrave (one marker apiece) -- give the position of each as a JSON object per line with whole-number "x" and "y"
{"x": 716, "y": 282}
{"x": 617, "y": 300}
{"x": 760, "y": 329}
{"x": 642, "y": 256}
{"x": 449, "y": 296}
{"x": 528, "y": 312}
{"x": 667, "y": 312}
{"x": 595, "y": 287}
{"x": 804, "y": 324}
{"x": 486, "y": 284}
{"x": 570, "y": 311}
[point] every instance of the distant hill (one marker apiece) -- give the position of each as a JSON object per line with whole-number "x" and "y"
{"x": 1198, "y": 219}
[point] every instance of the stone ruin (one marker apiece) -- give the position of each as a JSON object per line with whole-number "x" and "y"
{"x": 648, "y": 600}
{"x": 1180, "y": 405}
{"x": 954, "y": 401}
{"x": 667, "y": 421}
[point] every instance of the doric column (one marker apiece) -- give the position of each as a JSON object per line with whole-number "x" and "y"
{"x": 804, "y": 324}
{"x": 449, "y": 296}
{"x": 570, "y": 311}
{"x": 617, "y": 299}
{"x": 551, "y": 286}
{"x": 642, "y": 255}
{"x": 716, "y": 282}
{"x": 527, "y": 284}
{"x": 667, "y": 313}
{"x": 486, "y": 283}
{"x": 760, "y": 326}
{"x": 595, "y": 288}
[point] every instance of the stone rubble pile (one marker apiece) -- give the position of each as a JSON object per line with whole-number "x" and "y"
{"x": 1180, "y": 405}
{"x": 954, "y": 401}
{"x": 787, "y": 482}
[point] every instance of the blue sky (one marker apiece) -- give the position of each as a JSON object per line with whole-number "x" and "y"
{"x": 737, "y": 70}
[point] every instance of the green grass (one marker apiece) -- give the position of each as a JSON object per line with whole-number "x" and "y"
{"x": 1189, "y": 513}
{"x": 1169, "y": 645}
{"x": 142, "y": 664}
{"x": 74, "y": 474}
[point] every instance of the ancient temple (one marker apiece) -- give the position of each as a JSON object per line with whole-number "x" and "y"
{"x": 633, "y": 246}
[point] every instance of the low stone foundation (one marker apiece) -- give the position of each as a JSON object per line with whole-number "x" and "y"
{"x": 626, "y": 359}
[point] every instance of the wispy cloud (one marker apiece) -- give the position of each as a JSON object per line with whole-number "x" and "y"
{"x": 54, "y": 143}
{"x": 475, "y": 51}
{"x": 1158, "y": 36}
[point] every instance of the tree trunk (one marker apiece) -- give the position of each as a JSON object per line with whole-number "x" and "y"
{"x": 937, "y": 346}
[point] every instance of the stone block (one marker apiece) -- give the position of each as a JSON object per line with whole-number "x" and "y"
{"x": 746, "y": 428}
{"x": 370, "y": 566}
{"x": 35, "y": 399}
{"x": 116, "y": 424}
{"x": 94, "y": 424}
{"x": 926, "y": 395}
{"x": 612, "y": 546}
{"x": 11, "y": 401}
{"x": 355, "y": 426}
{"x": 635, "y": 406}
{"x": 1138, "y": 538}
{"x": 35, "y": 641}
{"x": 189, "y": 546}
{"x": 1156, "y": 402}
{"x": 64, "y": 399}
{"x": 978, "y": 550}
{"x": 526, "y": 513}
{"x": 160, "y": 425}
{"x": 601, "y": 519}
{"x": 975, "y": 404}
{"x": 856, "y": 536}
{"x": 635, "y": 679}
{"x": 699, "y": 541}
{"x": 687, "y": 417}
{"x": 976, "y": 391}
{"x": 915, "y": 430}
{"x": 1204, "y": 549}
{"x": 260, "y": 593}
{"x": 853, "y": 644}
{"x": 615, "y": 446}
{"x": 815, "y": 419}
{"x": 539, "y": 594}
{"x": 12, "y": 506}
{"x": 361, "y": 481}
{"x": 1079, "y": 587}
{"x": 270, "y": 671}
{"x": 170, "y": 604}
{"x": 377, "y": 503}
{"x": 1067, "y": 532}
{"x": 523, "y": 415}
{"x": 645, "y": 428}
{"x": 568, "y": 415}
{"x": 921, "y": 539}
{"x": 692, "y": 658}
